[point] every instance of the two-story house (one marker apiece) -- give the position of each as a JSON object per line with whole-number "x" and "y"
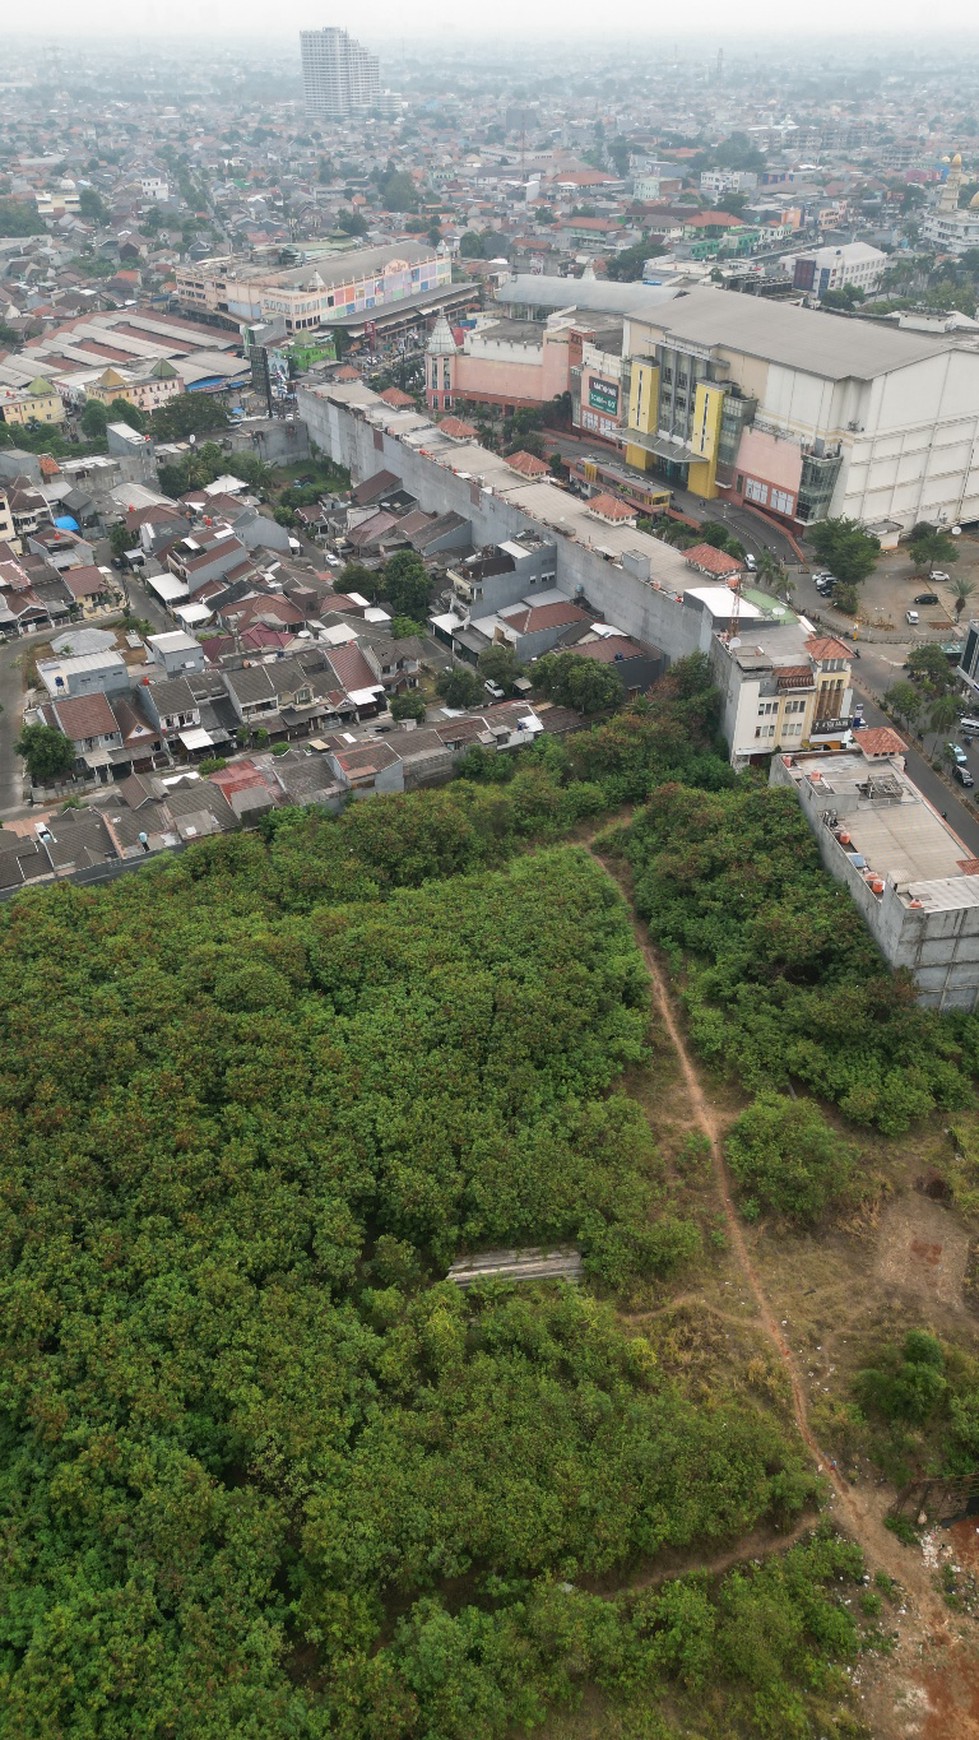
{"x": 207, "y": 555}
{"x": 92, "y": 729}
{"x": 171, "y": 705}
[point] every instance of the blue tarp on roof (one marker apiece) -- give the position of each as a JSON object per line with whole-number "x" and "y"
{"x": 66, "y": 523}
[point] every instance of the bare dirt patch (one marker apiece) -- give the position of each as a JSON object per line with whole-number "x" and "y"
{"x": 922, "y": 1250}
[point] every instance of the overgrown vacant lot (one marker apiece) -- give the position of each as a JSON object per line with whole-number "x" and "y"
{"x": 263, "y": 1471}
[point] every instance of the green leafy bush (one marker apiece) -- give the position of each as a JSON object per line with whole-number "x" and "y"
{"x": 250, "y": 1438}
{"x": 785, "y": 1155}
{"x": 782, "y": 982}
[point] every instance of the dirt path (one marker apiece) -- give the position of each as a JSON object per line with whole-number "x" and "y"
{"x": 760, "y": 1544}
{"x": 854, "y": 1512}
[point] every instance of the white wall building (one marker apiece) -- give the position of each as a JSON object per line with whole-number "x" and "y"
{"x": 910, "y": 876}
{"x": 951, "y": 232}
{"x": 340, "y": 77}
{"x": 822, "y": 269}
{"x": 805, "y": 414}
{"x": 718, "y": 181}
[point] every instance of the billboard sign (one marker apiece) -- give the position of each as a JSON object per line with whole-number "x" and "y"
{"x": 604, "y": 396}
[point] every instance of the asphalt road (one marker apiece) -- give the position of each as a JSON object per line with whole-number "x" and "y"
{"x": 12, "y": 657}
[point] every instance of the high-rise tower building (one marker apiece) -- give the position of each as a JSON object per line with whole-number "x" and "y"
{"x": 339, "y": 76}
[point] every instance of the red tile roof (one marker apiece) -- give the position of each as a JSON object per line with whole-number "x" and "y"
{"x": 397, "y": 399}
{"x": 85, "y": 716}
{"x": 85, "y": 582}
{"x": 527, "y": 619}
{"x": 879, "y": 740}
{"x": 826, "y": 646}
{"x": 351, "y": 668}
{"x": 609, "y": 507}
{"x": 527, "y": 464}
{"x": 458, "y": 427}
{"x": 711, "y": 561}
{"x": 609, "y": 648}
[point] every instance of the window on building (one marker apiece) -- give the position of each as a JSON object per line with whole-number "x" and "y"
{"x": 755, "y": 491}
{"x": 781, "y": 501}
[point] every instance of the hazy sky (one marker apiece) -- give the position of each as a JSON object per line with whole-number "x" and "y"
{"x": 755, "y": 19}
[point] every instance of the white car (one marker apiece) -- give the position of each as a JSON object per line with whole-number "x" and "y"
{"x": 911, "y": 616}
{"x": 937, "y": 574}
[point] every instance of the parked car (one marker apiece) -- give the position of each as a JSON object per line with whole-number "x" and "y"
{"x": 969, "y": 726}
{"x": 911, "y": 616}
{"x": 927, "y": 598}
{"x": 939, "y": 575}
{"x": 825, "y": 584}
{"x": 963, "y": 776}
{"x": 958, "y": 755}
{"x": 750, "y": 562}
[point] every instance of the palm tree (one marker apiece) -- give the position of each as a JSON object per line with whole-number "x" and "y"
{"x": 773, "y": 575}
{"x": 964, "y": 590}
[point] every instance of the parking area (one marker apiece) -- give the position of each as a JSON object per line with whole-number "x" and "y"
{"x": 896, "y": 586}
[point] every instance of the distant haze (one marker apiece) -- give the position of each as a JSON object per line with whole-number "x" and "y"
{"x": 757, "y": 20}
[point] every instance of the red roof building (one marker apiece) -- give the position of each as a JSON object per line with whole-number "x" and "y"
{"x": 879, "y": 740}
{"x": 717, "y": 563}
{"x": 527, "y": 464}
{"x": 610, "y": 508}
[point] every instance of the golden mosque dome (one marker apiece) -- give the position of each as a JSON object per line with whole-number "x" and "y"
{"x": 957, "y": 160}
{"x": 974, "y": 202}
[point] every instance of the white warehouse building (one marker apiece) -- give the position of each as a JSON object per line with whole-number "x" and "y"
{"x": 804, "y": 414}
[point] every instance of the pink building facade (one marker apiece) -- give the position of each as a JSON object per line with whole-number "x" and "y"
{"x": 510, "y": 364}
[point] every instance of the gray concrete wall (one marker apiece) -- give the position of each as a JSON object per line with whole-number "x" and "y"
{"x": 276, "y": 440}
{"x": 629, "y": 600}
{"x": 941, "y": 949}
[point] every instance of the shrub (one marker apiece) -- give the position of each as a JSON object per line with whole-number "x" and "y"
{"x": 784, "y": 1154}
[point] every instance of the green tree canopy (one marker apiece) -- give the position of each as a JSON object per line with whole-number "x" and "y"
{"x": 847, "y": 549}
{"x": 905, "y": 701}
{"x": 498, "y": 663}
{"x": 406, "y": 585}
{"x": 786, "y": 1156}
{"x": 188, "y": 414}
{"x": 19, "y": 217}
{"x": 91, "y": 205}
{"x": 48, "y": 753}
{"x": 94, "y": 420}
{"x": 460, "y": 687}
{"x": 121, "y": 411}
{"x": 398, "y": 191}
{"x": 930, "y": 671}
{"x": 584, "y": 684}
{"x": 626, "y": 266}
{"x": 352, "y": 223}
{"x": 408, "y": 706}
{"x": 930, "y": 547}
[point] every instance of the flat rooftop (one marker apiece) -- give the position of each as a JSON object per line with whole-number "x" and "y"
{"x": 893, "y": 827}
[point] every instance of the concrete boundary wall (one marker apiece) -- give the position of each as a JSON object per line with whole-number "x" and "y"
{"x": 634, "y": 603}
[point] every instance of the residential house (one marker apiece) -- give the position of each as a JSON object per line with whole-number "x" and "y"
{"x": 61, "y": 548}
{"x": 92, "y": 728}
{"x": 91, "y": 588}
{"x": 207, "y": 555}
